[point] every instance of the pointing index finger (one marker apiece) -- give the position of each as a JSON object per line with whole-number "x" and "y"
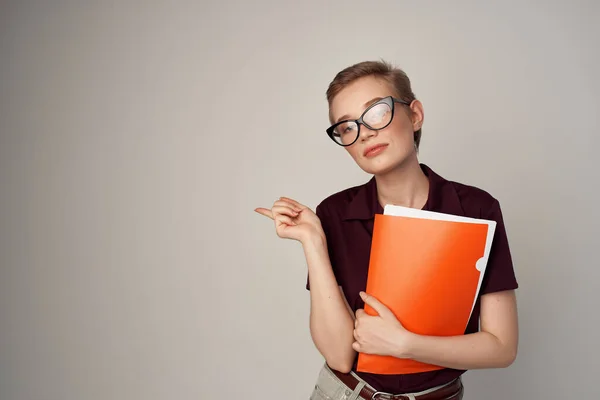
{"x": 264, "y": 211}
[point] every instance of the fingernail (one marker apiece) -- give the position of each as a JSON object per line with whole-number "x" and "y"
{"x": 362, "y": 295}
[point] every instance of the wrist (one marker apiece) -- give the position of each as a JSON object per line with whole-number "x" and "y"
{"x": 315, "y": 239}
{"x": 406, "y": 344}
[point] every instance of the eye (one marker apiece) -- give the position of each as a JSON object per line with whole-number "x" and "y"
{"x": 349, "y": 129}
{"x": 345, "y": 128}
{"x": 378, "y": 115}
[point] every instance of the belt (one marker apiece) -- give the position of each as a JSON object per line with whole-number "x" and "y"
{"x": 452, "y": 391}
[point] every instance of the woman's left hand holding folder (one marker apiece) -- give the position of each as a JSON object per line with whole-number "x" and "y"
{"x": 380, "y": 334}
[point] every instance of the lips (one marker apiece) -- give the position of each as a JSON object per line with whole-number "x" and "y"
{"x": 375, "y": 149}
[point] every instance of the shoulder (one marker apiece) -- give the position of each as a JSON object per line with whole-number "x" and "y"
{"x": 335, "y": 204}
{"x": 476, "y": 202}
{"x": 459, "y": 197}
{"x": 337, "y": 201}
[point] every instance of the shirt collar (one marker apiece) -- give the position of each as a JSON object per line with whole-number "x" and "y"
{"x": 442, "y": 197}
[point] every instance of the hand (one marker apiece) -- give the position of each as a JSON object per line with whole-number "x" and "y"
{"x": 380, "y": 334}
{"x": 293, "y": 220}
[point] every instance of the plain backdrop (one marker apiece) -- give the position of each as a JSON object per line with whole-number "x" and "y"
{"x": 138, "y": 137}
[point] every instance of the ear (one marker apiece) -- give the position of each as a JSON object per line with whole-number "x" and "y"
{"x": 418, "y": 114}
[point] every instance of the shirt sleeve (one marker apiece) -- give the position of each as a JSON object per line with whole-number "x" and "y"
{"x": 499, "y": 274}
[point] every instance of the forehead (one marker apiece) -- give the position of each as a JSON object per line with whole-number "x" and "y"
{"x": 351, "y": 100}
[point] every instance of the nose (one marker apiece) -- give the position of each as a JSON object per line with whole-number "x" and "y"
{"x": 366, "y": 133}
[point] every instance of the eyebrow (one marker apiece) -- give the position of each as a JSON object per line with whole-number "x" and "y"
{"x": 367, "y": 104}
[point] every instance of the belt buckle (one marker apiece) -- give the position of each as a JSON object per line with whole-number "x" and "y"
{"x": 389, "y": 396}
{"x": 376, "y": 396}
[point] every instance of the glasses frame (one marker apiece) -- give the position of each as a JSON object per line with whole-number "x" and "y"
{"x": 390, "y": 100}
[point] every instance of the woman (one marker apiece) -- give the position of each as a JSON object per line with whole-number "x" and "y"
{"x": 376, "y": 118}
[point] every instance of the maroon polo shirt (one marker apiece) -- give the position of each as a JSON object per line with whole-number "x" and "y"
{"x": 347, "y": 218}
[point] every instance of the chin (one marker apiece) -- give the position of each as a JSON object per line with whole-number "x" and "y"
{"x": 375, "y": 167}
{"x": 383, "y": 165}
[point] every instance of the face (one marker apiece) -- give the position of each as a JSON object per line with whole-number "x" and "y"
{"x": 377, "y": 151}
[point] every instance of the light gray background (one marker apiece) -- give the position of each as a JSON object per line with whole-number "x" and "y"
{"x": 137, "y": 138}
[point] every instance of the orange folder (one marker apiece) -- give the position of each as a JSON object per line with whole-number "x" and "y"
{"x": 427, "y": 268}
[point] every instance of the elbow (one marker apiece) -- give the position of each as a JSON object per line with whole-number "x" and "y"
{"x": 342, "y": 366}
{"x": 509, "y": 358}
{"x": 338, "y": 353}
{"x": 339, "y": 359}
{"x": 342, "y": 360}
{"x": 513, "y": 357}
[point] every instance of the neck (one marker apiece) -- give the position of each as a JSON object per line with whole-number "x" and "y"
{"x": 406, "y": 186}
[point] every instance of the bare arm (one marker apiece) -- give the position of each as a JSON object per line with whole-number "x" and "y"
{"x": 495, "y": 346}
{"x": 331, "y": 322}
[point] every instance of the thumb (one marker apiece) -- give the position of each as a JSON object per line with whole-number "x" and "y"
{"x": 379, "y": 307}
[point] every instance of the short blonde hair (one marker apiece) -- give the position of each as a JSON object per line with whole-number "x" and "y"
{"x": 396, "y": 77}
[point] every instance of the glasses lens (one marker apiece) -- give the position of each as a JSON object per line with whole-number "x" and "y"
{"x": 378, "y": 116}
{"x": 345, "y": 133}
